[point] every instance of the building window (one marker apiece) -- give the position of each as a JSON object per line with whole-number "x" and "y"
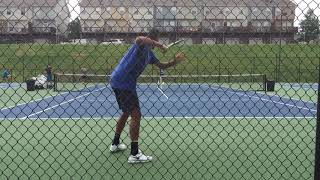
{"x": 8, "y": 12}
{"x": 173, "y": 10}
{"x": 194, "y": 11}
{"x": 122, "y": 10}
{"x": 23, "y": 12}
{"x": 228, "y": 12}
{"x": 267, "y": 12}
{"x": 266, "y": 24}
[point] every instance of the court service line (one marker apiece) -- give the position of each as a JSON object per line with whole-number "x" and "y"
{"x": 274, "y": 95}
{"x": 64, "y": 102}
{"x": 286, "y": 97}
{"x": 276, "y": 102}
{"x": 33, "y": 101}
{"x": 40, "y": 99}
{"x": 163, "y": 93}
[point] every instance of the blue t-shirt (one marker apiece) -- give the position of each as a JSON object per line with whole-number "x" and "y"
{"x": 125, "y": 75}
{"x": 6, "y": 73}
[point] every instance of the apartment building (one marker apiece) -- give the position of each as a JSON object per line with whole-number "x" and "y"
{"x": 116, "y": 16}
{"x": 231, "y": 21}
{"x": 178, "y": 15}
{"x": 137, "y": 16}
{"x": 263, "y": 19}
{"x": 33, "y": 16}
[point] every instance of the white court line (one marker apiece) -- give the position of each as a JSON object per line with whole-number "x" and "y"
{"x": 172, "y": 117}
{"x": 162, "y": 92}
{"x": 287, "y": 97}
{"x": 60, "y": 94}
{"x": 91, "y": 100}
{"x": 276, "y": 102}
{"x": 274, "y": 95}
{"x": 64, "y": 102}
{"x": 33, "y": 101}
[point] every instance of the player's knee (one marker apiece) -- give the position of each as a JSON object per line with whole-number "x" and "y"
{"x": 136, "y": 114}
{"x": 125, "y": 115}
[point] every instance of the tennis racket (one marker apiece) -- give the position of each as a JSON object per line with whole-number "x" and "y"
{"x": 175, "y": 43}
{"x": 161, "y": 83}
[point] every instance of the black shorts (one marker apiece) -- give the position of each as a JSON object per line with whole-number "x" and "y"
{"x": 127, "y": 100}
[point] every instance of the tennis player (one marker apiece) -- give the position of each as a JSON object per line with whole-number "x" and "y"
{"x": 49, "y": 75}
{"x": 124, "y": 81}
{"x": 6, "y": 75}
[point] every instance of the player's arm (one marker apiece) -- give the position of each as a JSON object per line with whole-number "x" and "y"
{"x": 180, "y": 57}
{"x": 142, "y": 40}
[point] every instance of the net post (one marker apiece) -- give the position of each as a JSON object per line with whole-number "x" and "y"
{"x": 55, "y": 82}
{"x": 265, "y": 83}
{"x": 317, "y": 152}
{"x": 11, "y": 75}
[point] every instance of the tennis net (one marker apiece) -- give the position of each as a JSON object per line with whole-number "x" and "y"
{"x": 88, "y": 82}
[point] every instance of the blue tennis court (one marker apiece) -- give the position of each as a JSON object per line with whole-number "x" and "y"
{"x": 184, "y": 100}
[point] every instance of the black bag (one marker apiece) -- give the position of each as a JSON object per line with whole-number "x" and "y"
{"x": 31, "y": 85}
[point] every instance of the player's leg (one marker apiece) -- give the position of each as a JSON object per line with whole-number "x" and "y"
{"x": 136, "y": 155}
{"x": 121, "y": 122}
{"x": 119, "y": 127}
{"x": 134, "y": 130}
{"x": 121, "y": 97}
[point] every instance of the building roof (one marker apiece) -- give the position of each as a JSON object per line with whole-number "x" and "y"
{"x": 27, "y": 3}
{"x": 137, "y": 3}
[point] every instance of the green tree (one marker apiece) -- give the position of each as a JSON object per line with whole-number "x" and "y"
{"x": 74, "y": 28}
{"x": 309, "y": 26}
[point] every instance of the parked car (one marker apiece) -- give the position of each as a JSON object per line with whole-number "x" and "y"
{"x": 114, "y": 41}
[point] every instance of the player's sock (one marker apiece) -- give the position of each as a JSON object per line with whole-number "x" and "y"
{"x": 116, "y": 139}
{"x": 134, "y": 148}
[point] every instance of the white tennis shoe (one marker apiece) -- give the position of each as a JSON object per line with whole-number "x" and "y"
{"x": 119, "y": 147}
{"x": 139, "y": 158}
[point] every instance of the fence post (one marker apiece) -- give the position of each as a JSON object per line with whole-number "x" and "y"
{"x": 300, "y": 71}
{"x": 317, "y": 155}
{"x": 276, "y": 69}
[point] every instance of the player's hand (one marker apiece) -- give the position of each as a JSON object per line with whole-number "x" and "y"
{"x": 164, "y": 48}
{"x": 180, "y": 57}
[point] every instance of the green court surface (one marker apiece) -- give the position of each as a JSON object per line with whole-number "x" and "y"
{"x": 183, "y": 148}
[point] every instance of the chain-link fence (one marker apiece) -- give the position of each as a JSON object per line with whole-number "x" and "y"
{"x": 235, "y": 98}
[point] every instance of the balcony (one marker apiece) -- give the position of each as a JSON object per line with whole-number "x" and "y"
{"x": 179, "y": 29}
{"x": 92, "y": 29}
{"x": 284, "y": 29}
{"x": 44, "y": 29}
{"x": 249, "y": 29}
